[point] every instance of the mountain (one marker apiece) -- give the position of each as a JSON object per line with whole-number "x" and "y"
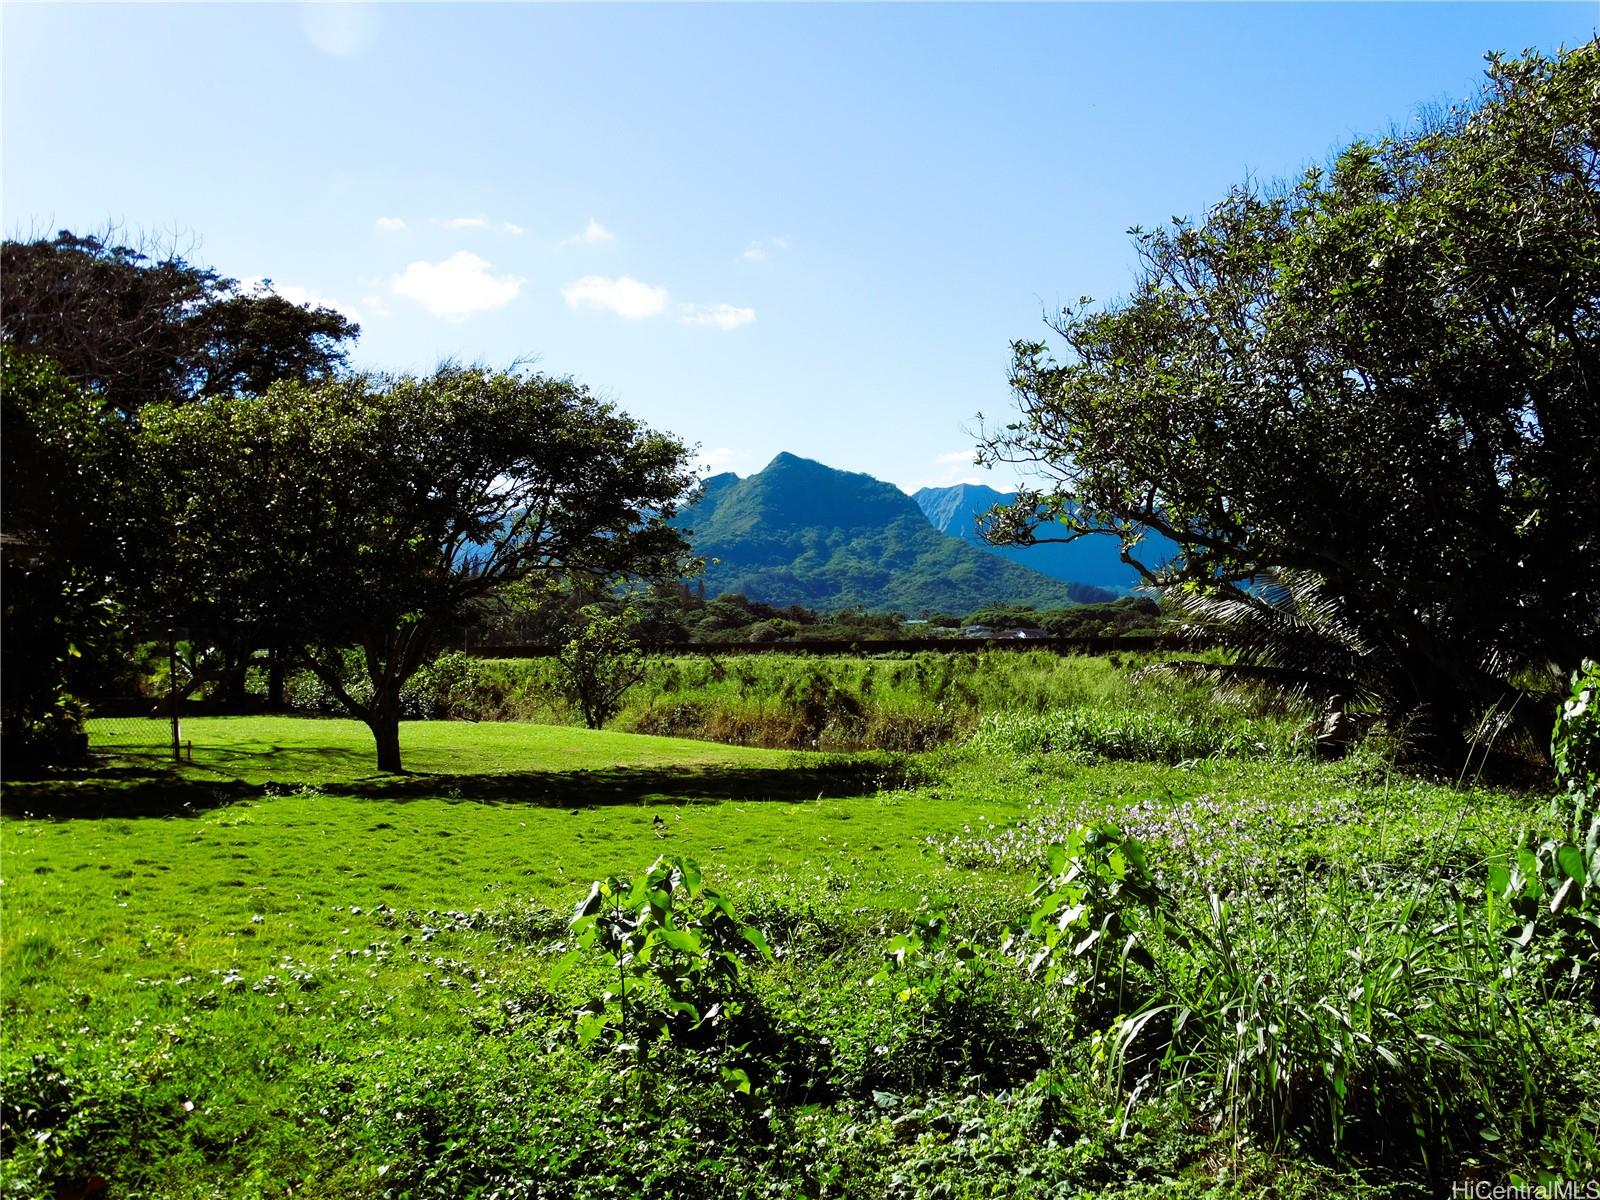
{"x": 799, "y": 532}
{"x": 1095, "y": 560}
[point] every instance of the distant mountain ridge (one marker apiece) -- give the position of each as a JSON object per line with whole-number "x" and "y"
{"x": 800, "y": 532}
{"x": 1095, "y": 560}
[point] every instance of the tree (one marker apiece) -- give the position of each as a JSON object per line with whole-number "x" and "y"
{"x": 1383, "y": 377}
{"x": 373, "y": 511}
{"x": 599, "y": 664}
{"x": 63, "y": 505}
{"x": 129, "y": 328}
{"x": 135, "y": 328}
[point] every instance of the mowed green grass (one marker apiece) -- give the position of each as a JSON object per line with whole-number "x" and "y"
{"x": 498, "y": 817}
{"x": 324, "y": 750}
{"x": 166, "y": 950}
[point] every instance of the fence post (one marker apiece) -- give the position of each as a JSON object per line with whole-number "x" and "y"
{"x": 172, "y": 691}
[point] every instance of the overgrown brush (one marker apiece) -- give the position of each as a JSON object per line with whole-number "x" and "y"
{"x": 1389, "y": 1022}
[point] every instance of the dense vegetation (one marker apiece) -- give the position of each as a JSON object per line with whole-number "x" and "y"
{"x": 681, "y": 614}
{"x": 1378, "y": 383}
{"x": 883, "y": 702}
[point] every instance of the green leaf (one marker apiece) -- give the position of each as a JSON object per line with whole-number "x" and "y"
{"x": 564, "y": 964}
{"x": 757, "y": 939}
{"x": 1570, "y": 859}
{"x": 590, "y": 904}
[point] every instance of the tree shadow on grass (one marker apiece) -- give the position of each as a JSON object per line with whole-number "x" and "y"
{"x": 121, "y": 792}
{"x": 597, "y": 787}
{"x": 148, "y": 791}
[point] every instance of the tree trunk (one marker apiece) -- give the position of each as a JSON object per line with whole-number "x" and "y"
{"x": 275, "y": 679}
{"x": 386, "y": 733}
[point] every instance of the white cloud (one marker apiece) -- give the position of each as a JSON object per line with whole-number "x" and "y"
{"x": 513, "y": 227}
{"x": 764, "y": 248}
{"x": 952, "y": 468}
{"x": 464, "y": 223}
{"x": 296, "y": 294}
{"x": 391, "y": 224}
{"x": 720, "y": 316}
{"x": 306, "y": 296}
{"x": 626, "y": 297}
{"x": 457, "y": 287}
{"x": 593, "y": 234}
{"x": 719, "y": 459}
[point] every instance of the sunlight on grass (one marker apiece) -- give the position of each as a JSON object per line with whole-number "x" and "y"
{"x": 316, "y": 751}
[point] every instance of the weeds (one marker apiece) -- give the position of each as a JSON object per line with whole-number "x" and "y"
{"x": 674, "y": 945}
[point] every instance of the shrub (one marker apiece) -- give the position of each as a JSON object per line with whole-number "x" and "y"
{"x": 674, "y": 945}
{"x": 599, "y": 665}
{"x": 453, "y": 687}
{"x": 1575, "y": 744}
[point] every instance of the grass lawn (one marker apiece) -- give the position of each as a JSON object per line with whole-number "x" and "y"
{"x": 331, "y": 750}
{"x": 276, "y": 972}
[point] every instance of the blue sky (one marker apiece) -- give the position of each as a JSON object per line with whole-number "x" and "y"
{"x": 765, "y": 227}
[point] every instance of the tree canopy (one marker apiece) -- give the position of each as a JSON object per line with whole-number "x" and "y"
{"x": 1383, "y": 375}
{"x": 135, "y": 327}
{"x": 371, "y": 511}
{"x": 93, "y": 332}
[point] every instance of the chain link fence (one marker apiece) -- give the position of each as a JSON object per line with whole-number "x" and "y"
{"x": 132, "y": 713}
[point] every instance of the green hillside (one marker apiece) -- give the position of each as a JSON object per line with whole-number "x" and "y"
{"x": 799, "y": 532}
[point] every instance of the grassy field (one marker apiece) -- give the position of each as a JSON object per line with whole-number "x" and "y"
{"x": 277, "y": 973}
{"x": 893, "y": 701}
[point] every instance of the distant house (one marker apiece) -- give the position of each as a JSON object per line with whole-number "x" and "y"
{"x": 985, "y": 631}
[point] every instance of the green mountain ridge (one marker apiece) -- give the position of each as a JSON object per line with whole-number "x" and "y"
{"x": 800, "y": 532}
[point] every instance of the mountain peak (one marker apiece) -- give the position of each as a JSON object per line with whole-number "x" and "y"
{"x": 801, "y": 532}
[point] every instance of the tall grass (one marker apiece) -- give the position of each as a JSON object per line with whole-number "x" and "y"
{"x": 1023, "y": 702}
{"x": 1383, "y": 1019}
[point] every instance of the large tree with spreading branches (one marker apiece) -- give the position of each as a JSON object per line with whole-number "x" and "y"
{"x": 1383, "y": 378}
{"x": 372, "y": 512}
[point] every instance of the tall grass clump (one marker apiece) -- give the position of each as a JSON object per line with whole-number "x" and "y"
{"x": 1019, "y": 702}
{"x": 1118, "y": 732}
{"x": 1372, "y": 1020}
{"x": 1151, "y": 720}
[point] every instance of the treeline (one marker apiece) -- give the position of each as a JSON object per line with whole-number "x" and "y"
{"x": 680, "y": 614}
